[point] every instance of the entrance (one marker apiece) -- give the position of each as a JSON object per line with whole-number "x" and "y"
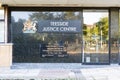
{"x": 95, "y": 37}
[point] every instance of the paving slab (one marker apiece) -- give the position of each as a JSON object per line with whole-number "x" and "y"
{"x": 60, "y": 72}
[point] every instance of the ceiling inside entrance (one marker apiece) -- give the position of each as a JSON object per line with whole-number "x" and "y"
{"x": 71, "y": 3}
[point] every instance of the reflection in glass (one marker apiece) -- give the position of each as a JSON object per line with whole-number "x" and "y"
{"x": 36, "y": 16}
{"x": 1, "y": 14}
{"x": 95, "y": 37}
{"x": 44, "y": 46}
{"x": 2, "y": 34}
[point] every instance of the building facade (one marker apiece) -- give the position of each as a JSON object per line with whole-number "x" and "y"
{"x": 63, "y": 31}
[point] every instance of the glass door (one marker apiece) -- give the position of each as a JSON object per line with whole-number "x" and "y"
{"x": 95, "y": 37}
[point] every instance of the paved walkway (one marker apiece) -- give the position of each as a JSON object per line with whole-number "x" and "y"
{"x": 56, "y": 71}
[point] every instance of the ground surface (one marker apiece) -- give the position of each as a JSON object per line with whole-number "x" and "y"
{"x": 55, "y": 71}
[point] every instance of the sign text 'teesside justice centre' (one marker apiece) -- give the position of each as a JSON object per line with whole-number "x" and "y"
{"x": 59, "y": 26}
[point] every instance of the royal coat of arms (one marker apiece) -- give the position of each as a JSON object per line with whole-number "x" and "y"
{"x": 29, "y": 27}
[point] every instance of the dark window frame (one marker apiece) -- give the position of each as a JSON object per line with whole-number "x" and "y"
{"x": 12, "y": 8}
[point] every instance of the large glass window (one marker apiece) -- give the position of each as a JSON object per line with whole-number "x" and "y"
{"x": 53, "y": 36}
{"x": 2, "y": 30}
{"x": 95, "y": 36}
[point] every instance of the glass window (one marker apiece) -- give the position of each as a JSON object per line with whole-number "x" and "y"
{"x": 95, "y": 36}
{"x": 1, "y": 14}
{"x": 53, "y": 36}
{"x": 2, "y": 30}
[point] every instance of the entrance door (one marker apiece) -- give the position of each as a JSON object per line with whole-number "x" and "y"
{"x": 95, "y": 37}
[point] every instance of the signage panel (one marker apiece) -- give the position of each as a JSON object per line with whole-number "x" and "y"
{"x": 59, "y": 26}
